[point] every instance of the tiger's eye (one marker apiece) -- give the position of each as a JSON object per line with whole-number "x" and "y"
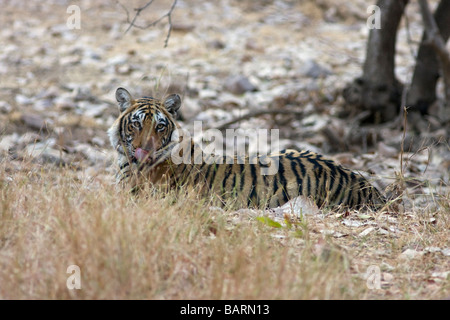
{"x": 160, "y": 127}
{"x": 136, "y": 124}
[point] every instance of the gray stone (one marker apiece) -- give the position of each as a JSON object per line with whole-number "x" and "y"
{"x": 239, "y": 85}
{"x": 312, "y": 69}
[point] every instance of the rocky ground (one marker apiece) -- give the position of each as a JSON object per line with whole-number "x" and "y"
{"x": 226, "y": 59}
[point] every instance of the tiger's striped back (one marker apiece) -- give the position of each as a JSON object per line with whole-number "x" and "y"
{"x": 300, "y": 173}
{"x": 147, "y": 127}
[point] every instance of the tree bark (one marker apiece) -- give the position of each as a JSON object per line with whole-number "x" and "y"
{"x": 378, "y": 90}
{"x": 422, "y": 92}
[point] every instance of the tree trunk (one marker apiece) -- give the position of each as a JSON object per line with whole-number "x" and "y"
{"x": 422, "y": 92}
{"x": 378, "y": 90}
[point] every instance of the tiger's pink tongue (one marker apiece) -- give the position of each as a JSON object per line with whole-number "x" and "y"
{"x": 141, "y": 154}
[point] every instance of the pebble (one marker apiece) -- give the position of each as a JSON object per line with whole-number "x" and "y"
{"x": 44, "y": 152}
{"x": 22, "y": 99}
{"x": 33, "y": 121}
{"x": 95, "y": 110}
{"x": 314, "y": 70}
{"x": 366, "y": 232}
{"x": 7, "y": 142}
{"x": 5, "y": 107}
{"x": 410, "y": 254}
{"x": 238, "y": 85}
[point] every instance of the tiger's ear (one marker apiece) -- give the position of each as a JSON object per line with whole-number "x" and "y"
{"x": 172, "y": 103}
{"x": 124, "y": 99}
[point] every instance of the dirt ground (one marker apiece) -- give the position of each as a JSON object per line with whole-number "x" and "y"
{"x": 57, "y": 101}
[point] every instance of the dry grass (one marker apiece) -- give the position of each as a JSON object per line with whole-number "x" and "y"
{"x": 167, "y": 248}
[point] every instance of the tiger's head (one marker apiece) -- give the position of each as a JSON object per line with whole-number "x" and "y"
{"x": 146, "y": 127}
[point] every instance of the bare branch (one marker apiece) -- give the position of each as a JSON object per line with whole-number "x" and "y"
{"x": 132, "y": 22}
{"x": 438, "y": 44}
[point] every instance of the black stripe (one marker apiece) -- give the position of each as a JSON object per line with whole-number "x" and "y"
{"x": 233, "y": 184}
{"x": 226, "y": 175}
{"x": 332, "y": 177}
{"x": 123, "y": 166}
{"x": 297, "y": 176}
{"x": 337, "y": 193}
{"x": 241, "y": 187}
{"x": 254, "y": 194}
{"x": 184, "y": 169}
{"x": 213, "y": 174}
{"x": 283, "y": 181}
{"x": 121, "y": 129}
{"x": 197, "y": 176}
{"x": 207, "y": 173}
{"x": 301, "y": 165}
{"x": 349, "y": 200}
{"x": 275, "y": 184}
{"x": 308, "y": 186}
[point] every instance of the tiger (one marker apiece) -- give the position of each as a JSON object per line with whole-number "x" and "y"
{"x": 146, "y": 137}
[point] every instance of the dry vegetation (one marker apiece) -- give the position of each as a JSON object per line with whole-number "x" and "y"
{"x": 59, "y": 205}
{"x": 180, "y": 248}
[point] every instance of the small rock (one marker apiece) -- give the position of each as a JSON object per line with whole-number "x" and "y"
{"x": 313, "y": 70}
{"x": 387, "y": 151}
{"x": 352, "y": 223}
{"x": 49, "y": 93}
{"x": 432, "y": 249}
{"x": 183, "y": 27}
{"x": 98, "y": 141}
{"x": 366, "y": 232}
{"x": 64, "y": 103}
{"x": 5, "y": 107}
{"x": 95, "y": 110}
{"x": 410, "y": 254}
{"x": 29, "y": 137}
{"x": 215, "y": 44}
{"x": 383, "y": 232}
{"x": 124, "y": 69}
{"x": 43, "y": 152}
{"x": 117, "y": 60}
{"x": 442, "y": 275}
{"x": 21, "y": 99}
{"x": 91, "y": 54}
{"x": 386, "y": 267}
{"x": 446, "y": 252}
{"x": 7, "y": 142}
{"x": 207, "y": 94}
{"x": 69, "y": 60}
{"x": 43, "y": 104}
{"x": 33, "y": 121}
{"x": 82, "y": 92}
{"x": 298, "y": 207}
{"x": 149, "y": 36}
{"x": 387, "y": 277}
{"x": 94, "y": 155}
{"x": 239, "y": 85}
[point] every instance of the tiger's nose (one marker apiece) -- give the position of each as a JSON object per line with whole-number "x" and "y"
{"x": 149, "y": 145}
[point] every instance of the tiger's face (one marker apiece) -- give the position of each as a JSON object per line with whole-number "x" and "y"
{"x": 145, "y": 127}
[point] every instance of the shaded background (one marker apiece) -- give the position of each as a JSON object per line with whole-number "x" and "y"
{"x": 226, "y": 58}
